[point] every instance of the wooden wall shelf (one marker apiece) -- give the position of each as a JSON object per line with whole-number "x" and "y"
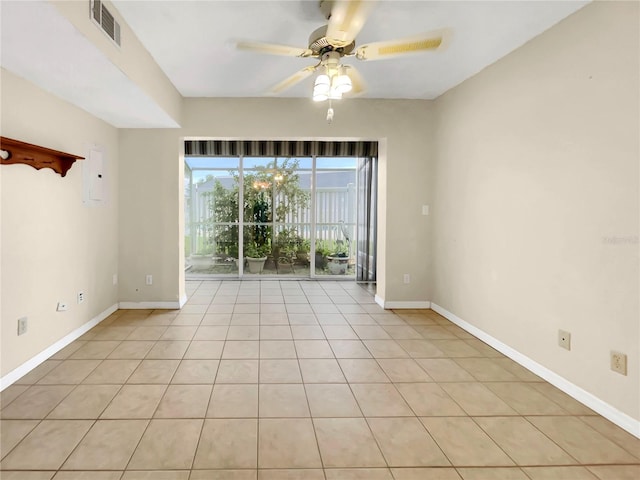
{"x": 36, "y": 156}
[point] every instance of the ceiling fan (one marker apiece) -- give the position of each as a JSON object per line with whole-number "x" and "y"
{"x": 330, "y": 43}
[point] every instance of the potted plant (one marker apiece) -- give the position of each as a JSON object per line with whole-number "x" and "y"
{"x": 302, "y": 251}
{"x": 322, "y": 251}
{"x": 338, "y": 261}
{"x": 256, "y": 256}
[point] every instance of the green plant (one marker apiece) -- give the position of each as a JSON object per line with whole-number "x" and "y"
{"x": 323, "y": 248}
{"x": 252, "y": 250}
{"x": 339, "y": 250}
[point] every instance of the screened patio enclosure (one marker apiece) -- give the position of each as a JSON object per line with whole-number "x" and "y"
{"x": 252, "y": 212}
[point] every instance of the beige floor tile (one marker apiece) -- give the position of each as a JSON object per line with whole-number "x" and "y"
{"x": 484, "y": 349}
{"x": 565, "y": 401}
{"x": 274, "y": 318}
{"x": 196, "y": 372}
{"x": 113, "y": 332}
{"x": 22, "y": 475}
{"x": 324, "y": 370}
{"x": 406, "y": 443}
{"x": 280, "y": 371}
{"x": 581, "y": 441}
{"x": 247, "y": 308}
{"x": 313, "y": 349}
{"x": 156, "y": 475}
{"x": 385, "y": 349}
{"x": 168, "y": 349}
{"x": 421, "y": 348}
{"x": 524, "y": 399}
{"x": 85, "y": 402}
{"x": 223, "y": 475}
{"x": 278, "y": 400}
{"x": 518, "y": 370}
{"x": 277, "y": 349}
{"x": 12, "y": 432}
{"x": 275, "y": 332}
{"x": 402, "y": 332}
{"x": 332, "y": 400}
{"x": 505, "y": 473}
{"x": 486, "y": 370}
{"x": 233, "y": 401}
{"x": 154, "y": 371}
{"x": 380, "y": 400}
{"x": 303, "y": 319}
{"x": 167, "y": 444}
{"x": 370, "y": 332}
{"x": 243, "y": 332}
{"x": 40, "y": 371}
{"x": 147, "y": 333}
{"x": 228, "y": 443}
{"x": 107, "y": 446}
{"x": 64, "y": 353}
{"x": 614, "y": 433}
{"x": 444, "y": 370}
{"x": 189, "y": 318}
{"x": 245, "y": 319}
{"x": 69, "y": 372}
{"x": 524, "y": 443}
{"x": 429, "y": 399}
{"x": 237, "y": 371}
{"x": 426, "y": 473}
{"x": 362, "y": 371}
{"x": 95, "y": 350}
{"x": 10, "y": 393}
{"x": 339, "y": 332}
{"x": 434, "y": 332}
{"x": 476, "y": 399}
{"x": 307, "y": 332}
{"x": 88, "y": 475}
{"x": 204, "y": 349}
{"x": 359, "y": 319}
{"x": 358, "y": 474}
{"x": 112, "y": 372}
{"x": 241, "y": 349}
{"x": 291, "y": 474}
{"x": 47, "y": 446}
{"x": 403, "y": 370}
{"x": 287, "y": 443}
{"x": 137, "y": 349}
{"x": 216, "y": 319}
{"x": 619, "y": 472}
{"x": 36, "y": 403}
{"x": 349, "y": 349}
{"x": 179, "y": 333}
{"x": 559, "y": 473}
{"x": 464, "y": 443}
{"x": 330, "y": 318}
{"x": 134, "y": 401}
{"x": 347, "y": 442}
{"x": 184, "y": 401}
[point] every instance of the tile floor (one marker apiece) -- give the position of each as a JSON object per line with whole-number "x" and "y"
{"x": 283, "y": 380}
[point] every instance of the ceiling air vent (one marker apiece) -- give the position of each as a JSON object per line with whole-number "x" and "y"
{"x": 103, "y": 17}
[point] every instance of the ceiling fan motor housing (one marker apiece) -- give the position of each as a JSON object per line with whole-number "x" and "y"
{"x": 319, "y": 44}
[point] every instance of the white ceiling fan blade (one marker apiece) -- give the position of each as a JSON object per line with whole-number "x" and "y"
{"x": 436, "y": 40}
{"x": 273, "y": 49}
{"x": 293, "y": 79}
{"x": 346, "y": 21}
{"x": 358, "y": 84}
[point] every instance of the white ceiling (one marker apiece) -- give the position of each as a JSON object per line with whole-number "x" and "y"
{"x": 192, "y": 41}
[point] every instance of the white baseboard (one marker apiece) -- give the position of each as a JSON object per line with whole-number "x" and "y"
{"x": 150, "y": 305}
{"x": 183, "y": 300}
{"x": 401, "y": 305}
{"x": 32, "y": 363}
{"x": 608, "y": 411}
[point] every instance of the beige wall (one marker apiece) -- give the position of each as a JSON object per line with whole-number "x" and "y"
{"x": 52, "y": 246}
{"x": 535, "y": 214}
{"x": 150, "y": 219}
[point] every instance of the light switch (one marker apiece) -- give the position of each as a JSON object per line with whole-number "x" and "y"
{"x": 425, "y": 209}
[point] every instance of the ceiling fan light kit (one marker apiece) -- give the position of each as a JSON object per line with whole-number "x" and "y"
{"x": 330, "y": 43}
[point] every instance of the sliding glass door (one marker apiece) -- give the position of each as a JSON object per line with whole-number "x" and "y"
{"x": 257, "y": 216}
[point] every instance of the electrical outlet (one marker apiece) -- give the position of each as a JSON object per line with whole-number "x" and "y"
{"x": 564, "y": 339}
{"x": 115, "y": 278}
{"x": 149, "y": 279}
{"x": 407, "y": 278}
{"x": 62, "y": 307}
{"x": 80, "y": 297}
{"x": 619, "y": 362}
{"x": 22, "y": 326}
